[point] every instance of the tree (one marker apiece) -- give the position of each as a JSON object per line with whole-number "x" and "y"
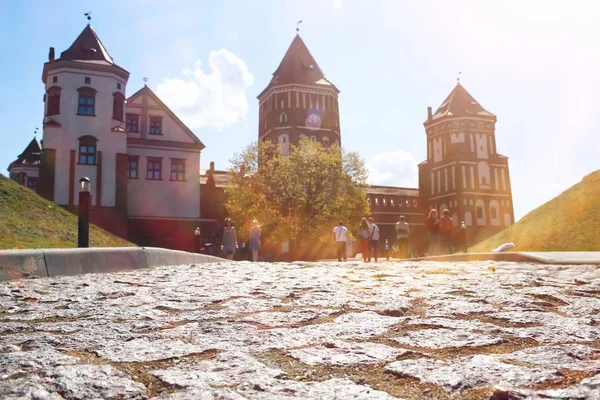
{"x": 299, "y": 197}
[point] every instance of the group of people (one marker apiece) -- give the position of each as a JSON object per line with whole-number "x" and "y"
{"x": 440, "y": 233}
{"x": 229, "y": 243}
{"x": 368, "y": 234}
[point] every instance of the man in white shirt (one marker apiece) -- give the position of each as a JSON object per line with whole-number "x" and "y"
{"x": 373, "y": 239}
{"x": 402, "y": 232}
{"x": 340, "y": 236}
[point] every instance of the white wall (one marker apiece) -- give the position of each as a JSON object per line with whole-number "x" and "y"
{"x": 65, "y": 138}
{"x": 164, "y": 198}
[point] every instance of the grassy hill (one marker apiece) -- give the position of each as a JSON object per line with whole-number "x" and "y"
{"x": 569, "y": 222}
{"x": 30, "y": 221}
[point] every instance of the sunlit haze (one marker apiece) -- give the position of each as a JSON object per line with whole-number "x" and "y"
{"x": 534, "y": 64}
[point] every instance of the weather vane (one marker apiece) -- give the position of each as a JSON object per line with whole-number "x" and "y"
{"x": 35, "y": 131}
{"x": 88, "y": 15}
{"x": 458, "y": 77}
{"x": 297, "y": 26}
{"x": 145, "y": 80}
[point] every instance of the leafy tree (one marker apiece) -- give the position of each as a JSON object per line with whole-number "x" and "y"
{"x": 297, "y": 197}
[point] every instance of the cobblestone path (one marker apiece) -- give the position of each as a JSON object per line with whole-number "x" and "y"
{"x": 305, "y": 330}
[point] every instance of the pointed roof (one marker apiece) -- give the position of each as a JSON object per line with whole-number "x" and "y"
{"x": 298, "y": 66}
{"x": 146, "y": 91}
{"x": 30, "y": 156}
{"x": 460, "y": 103}
{"x": 87, "y": 47}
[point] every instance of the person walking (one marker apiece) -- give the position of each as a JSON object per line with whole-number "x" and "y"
{"x": 446, "y": 232}
{"x": 402, "y": 234}
{"x": 364, "y": 234}
{"x": 229, "y": 240}
{"x": 373, "y": 239}
{"x": 340, "y": 237}
{"x": 432, "y": 223}
{"x": 254, "y": 240}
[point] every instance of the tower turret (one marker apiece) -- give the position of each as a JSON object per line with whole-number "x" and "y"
{"x": 299, "y": 102}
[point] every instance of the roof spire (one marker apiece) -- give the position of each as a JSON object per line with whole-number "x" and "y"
{"x": 458, "y": 77}
{"x": 88, "y": 15}
{"x": 297, "y": 26}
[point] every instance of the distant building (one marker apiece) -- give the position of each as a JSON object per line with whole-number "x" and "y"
{"x": 26, "y": 168}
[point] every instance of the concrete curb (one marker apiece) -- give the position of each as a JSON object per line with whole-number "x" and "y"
{"x": 563, "y": 257}
{"x": 19, "y": 264}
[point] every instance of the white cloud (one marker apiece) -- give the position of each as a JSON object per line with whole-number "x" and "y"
{"x": 393, "y": 168}
{"x": 209, "y": 99}
{"x": 337, "y": 3}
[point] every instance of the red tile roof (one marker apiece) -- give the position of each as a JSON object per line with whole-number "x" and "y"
{"x": 460, "y": 103}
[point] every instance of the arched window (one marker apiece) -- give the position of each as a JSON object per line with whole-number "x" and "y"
{"x": 468, "y": 219}
{"x": 376, "y": 201}
{"x": 384, "y": 201}
{"x": 325, "y": 139}
{"x": 369, "y": 200}
{"x": 87, "y": 101}
{"x": 479, "y": 212}
{"x": 392, "y": 203}
{"x": 118, "y": 106}
{"x": 493, "y": 213}
{"x": 87, "y": 150}
{"x": 284, "y": 144}
{"x": 283, "y": 118}
{"x": 313, "y": 138}
{"x": 53, "y": 101}
{"x": 337, "y": 142}
{"x": 302, "y": 136}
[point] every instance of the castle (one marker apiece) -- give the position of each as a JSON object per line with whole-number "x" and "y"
{"x": 143, "y": 161}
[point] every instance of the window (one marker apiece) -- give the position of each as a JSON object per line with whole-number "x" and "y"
{"x": 283, "y": 118}
{"x": 154, "y": 169}
{"x": 87, "y": 150}
{"x": 384, "y": 201}
{"x": 132, "y": 167}
{"x": 88, "y": 80}
{"x": 369, "y": 200}
{"x": 118, "y": 106}
{"x": 483, "y": 180}
{"x": 177, "y": 169}
{"x": 376, "y": 201}
{"x": 54, "y": 79}
{"x": 131, "y": 123}
{"x": 53, "y": 101}
{"x": 392, "y": 203}
{"x": 407, "y": 203}
{"x": 479, "y": 212}
{"x": 118, "y": 86}
{"x": 493, "y": 213}
{"x": 415, "y": 203}
{"x": 325, "y": 139}
{"x": 32, "y": 182}
{"x": 155, "y": 125}
{"x": 87, "y": 101}
{"x": 313, "y": 138}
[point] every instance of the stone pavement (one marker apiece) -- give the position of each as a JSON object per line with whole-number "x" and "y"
{"x": 323, "y": 330}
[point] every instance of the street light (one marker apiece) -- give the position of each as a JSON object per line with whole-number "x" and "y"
{"x": 197, "y": 241}
{"x": 83, "y": 237}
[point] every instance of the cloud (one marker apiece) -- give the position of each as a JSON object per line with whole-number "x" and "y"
{"x": 393, "y": 168}
{"x": 214, "y": 99}
{"x": 337, "y": 3}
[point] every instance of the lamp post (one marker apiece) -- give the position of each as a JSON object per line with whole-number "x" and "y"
{"x": 83, "y": 233}
{"x": 197, "y": 237}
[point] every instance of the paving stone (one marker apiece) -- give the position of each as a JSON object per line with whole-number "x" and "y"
{"x": 442, "y": 338}
{"x": 31, "y": 361}
{"x": 469, "y": 372}
{"x": 569, "y": 356}
{"x": 339, "y": 353}
{"x": 293, "y": 317}
{"x": 145, "y": 350}
{"x": 587, "y": 389}
{"x": 74, "y": 382}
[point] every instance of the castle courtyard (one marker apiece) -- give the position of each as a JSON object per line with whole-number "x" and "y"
{"x": 322, "y": 330}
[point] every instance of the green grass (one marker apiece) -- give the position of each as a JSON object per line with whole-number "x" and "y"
{"x": 28, "y": 221}
{"x": 569, "y": 222}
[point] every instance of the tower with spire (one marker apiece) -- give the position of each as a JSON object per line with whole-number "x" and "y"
{"x": 83, "y": 132}
{"x": 299, "y": 102}
{"x": 463, "y": 172}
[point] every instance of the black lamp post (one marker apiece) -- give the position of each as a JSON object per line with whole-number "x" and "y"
{"x": 83, "y": 237}
{"x": 197, "y": 241}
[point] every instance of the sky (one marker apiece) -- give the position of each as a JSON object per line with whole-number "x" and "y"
{"x": 534, "y": 64}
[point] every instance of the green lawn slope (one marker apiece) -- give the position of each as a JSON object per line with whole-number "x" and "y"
{"x": 569, "y": 222}
{"x": 28, "y": 221}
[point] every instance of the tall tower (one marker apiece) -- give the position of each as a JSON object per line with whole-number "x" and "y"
{"x": 463, "y": 171}
{"x": 84, "y": 133}
{"x": 299, "y": 102}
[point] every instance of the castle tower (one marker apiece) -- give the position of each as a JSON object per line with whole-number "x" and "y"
{"x": 463, "y": 171}
{"x": 299, "y": 102}
{"x": 84, "y": 133}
